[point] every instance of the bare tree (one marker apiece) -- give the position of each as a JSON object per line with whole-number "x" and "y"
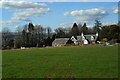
{"x": 19, "y": 40}
{"x": 60, "y": 32}
{"x": 5, "y": 38}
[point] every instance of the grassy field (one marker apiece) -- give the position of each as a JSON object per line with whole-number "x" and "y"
{"x": 64, "y": 62}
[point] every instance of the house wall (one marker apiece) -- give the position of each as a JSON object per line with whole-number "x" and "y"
{"x": 57, "y": 45}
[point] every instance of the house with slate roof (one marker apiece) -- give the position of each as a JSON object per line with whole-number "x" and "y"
{"x": 85, "y": 39}
{"x": 78, "y": 40}
{"x": 58, "y": 42}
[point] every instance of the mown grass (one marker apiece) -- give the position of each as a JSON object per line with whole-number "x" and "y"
{"x": 64, "y": 62}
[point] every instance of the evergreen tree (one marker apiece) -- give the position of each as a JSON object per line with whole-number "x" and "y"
{"x": 98, "y": 25}
{"x": 75, "y": 30}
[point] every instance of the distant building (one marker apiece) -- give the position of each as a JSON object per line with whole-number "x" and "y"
{"x": 85, "y": 39}
{"x": 58, "y": 42}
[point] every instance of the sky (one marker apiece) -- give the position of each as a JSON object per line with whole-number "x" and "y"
{"x": 54, "y": 13}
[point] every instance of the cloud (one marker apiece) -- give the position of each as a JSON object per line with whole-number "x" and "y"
{"x": 44, "y": 0}
{"x": 115, "y": 10}
{"x": 29, "y": 13}
{"x": 89, "y": 14}
{"x": 59, "y": 0}
{"x": 65, "y": 25}
{"x": 23, "y": 11}
{"x": 8, "y": 23}
{"x": 20, "y": 4}
{"x": 85, "y": 0}
{"x": 66, "y": 13}
{"x": 109, "y": 23}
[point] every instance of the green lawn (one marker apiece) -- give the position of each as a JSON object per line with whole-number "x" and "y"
{"x": 64, "y": 62}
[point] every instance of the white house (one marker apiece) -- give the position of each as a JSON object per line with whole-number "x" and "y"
{"x": 85, "y": 39}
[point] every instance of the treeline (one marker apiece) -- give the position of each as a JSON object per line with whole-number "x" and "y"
{"x": 30, "y": 36}
{"x": 110, "y": 32}
{"x": 38, "y": 36}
